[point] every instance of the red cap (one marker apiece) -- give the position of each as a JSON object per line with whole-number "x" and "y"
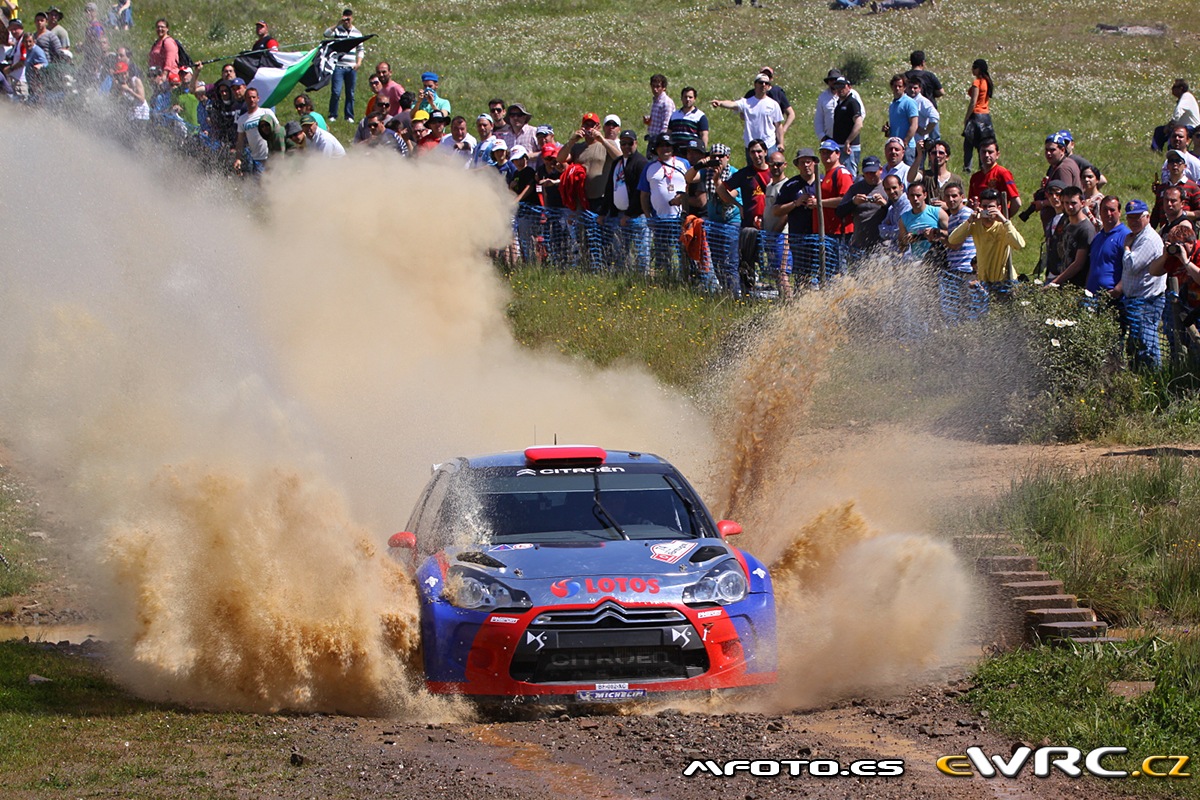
{"x": 120, "y": 67}
{"x": 550, "y": 151}
{"x": 591, "y": 117}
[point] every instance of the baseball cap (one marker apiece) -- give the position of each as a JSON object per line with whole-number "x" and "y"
{"x": 830, "y": 144}
{"x": 767, "y": 71}
{"x": 1175, "y": 155}
{"x": 614, "y": 119}
{"x": 545, "y": 130}
{"x": 838, "y": 81}
{"x": 762, "y": 76}
{"x": 628, "y": 134}
{"x": 260, "y": 22}
{"x": 154, "y": 71}
{"x": 550, "y": 151}
{"x": 1055, "y": 186}
{"x": 500, "y": 144}
{"x": 185, "y": 68}
{"x": 54, "y": 10}
{"x": 308, "y": 119}
{"x": 120, "y": 67}
{"x": 591, "y": 116}
{"x": 517, "y": 152}
{"x": 483, "y": 117}
{"x": 237, "y": 82}
{"x": 804, "y": 152}
{"x": 429, "y": 76}
{"x": 1058, "y": 139}
{"x": 420, "y": 115}
{"x": 1066, "y": 134}
{"x": 871, "y": 164}
{"x": 1137, "y": 207}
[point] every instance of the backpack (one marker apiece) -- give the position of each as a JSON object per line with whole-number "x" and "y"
{"x": 185, "y": 60}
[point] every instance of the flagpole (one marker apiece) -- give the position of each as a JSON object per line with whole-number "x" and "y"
{"x": 249, "y": 52}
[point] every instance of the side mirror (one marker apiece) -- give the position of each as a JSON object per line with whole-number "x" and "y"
{"x": 405, "y": 540}
{"x": 725, "y": 527}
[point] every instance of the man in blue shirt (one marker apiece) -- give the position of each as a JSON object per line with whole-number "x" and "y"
{"x": 902, "y": 117}
{"x": 1108, "y": 248}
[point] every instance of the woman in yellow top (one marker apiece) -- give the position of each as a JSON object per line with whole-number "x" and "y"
{"x": 978, "y": 124}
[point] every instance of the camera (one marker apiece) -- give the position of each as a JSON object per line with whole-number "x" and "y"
{"x": 1176, "y": 249}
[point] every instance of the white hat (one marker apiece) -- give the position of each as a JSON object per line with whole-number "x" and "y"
{"x": 518, "y": 152}
{"x": 612, "y": 118}
{"x": 500, "y": 144}
{"x": 762, "y": 76}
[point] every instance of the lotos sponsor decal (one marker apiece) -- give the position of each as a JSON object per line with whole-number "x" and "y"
{"x": 565, "y": 588}
{"x": 670, "y": 552}
{"x": 505, "y": 620}
{"x": 716, "y": 612}
{"x": 609, "y": 585}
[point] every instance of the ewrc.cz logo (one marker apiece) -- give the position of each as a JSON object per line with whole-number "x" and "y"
{"x": 1063, "y": 759}
{"x": 817, "y": 768}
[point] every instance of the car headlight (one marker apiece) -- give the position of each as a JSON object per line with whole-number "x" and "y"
{"x": 475, "y": 591}
{"x": 723, "y": 584}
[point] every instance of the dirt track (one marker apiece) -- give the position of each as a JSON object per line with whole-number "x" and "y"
{"x": 611, "y": 756}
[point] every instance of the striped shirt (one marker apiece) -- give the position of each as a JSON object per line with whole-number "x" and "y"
{"x": 960, "y": 259}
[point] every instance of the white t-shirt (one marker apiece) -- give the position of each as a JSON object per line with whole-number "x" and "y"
{"x": 664, "y": 181}
{"x": 446, "y": 145}
{"x": 248, "y": 124}
{"x": 759, "y": 118}
{"x": 326, "y": 144}
{"x": 1187, "y": 112}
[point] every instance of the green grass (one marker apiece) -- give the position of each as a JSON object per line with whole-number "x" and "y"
{"x": 16, "y": 521}
{"x": 81, "y": 735}
{"x": 1064, "y": 697}
{"x": 1123, "y": 538}
{"x": 672, "y": 331}
{"x": 564, "y": 57}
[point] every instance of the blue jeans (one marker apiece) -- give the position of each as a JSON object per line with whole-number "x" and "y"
{"x": 347, "y": 76}
{"x": 1143, "y": 316}
{"x": 852, "y": 161}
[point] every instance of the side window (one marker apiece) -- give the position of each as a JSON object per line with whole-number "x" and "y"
{"x": 424, "y": 518}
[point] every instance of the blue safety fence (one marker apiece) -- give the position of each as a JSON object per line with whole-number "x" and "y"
{"x": 711, "y": 256}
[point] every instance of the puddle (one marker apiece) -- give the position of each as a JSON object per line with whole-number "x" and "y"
{"x": 75, "y": 634}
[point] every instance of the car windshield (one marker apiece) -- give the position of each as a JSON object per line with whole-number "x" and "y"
{"x": 571, "y": 508}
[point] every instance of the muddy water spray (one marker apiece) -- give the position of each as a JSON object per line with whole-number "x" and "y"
{"x": 857, "y": 609}
{"x": 242, "y": 401}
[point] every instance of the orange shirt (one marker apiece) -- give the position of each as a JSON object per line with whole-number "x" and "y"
{"x": 981, "y": 102}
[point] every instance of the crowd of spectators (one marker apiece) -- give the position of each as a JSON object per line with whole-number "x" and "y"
{"x": 906, "y": 199}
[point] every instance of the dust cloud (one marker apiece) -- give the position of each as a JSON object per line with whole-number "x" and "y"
{"x": 243, "y": 400}
{"x": 242, "y": 397}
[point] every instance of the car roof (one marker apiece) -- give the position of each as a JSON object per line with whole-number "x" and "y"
{"x": 516, "y": 458}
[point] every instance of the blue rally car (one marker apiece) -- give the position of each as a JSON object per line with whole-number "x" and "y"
{"x": 578, "y": 574}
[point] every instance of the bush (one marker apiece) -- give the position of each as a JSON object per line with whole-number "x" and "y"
{"x": 856, "y": 66}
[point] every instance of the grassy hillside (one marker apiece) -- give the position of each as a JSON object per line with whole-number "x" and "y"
{"x": 563, "y": 57}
